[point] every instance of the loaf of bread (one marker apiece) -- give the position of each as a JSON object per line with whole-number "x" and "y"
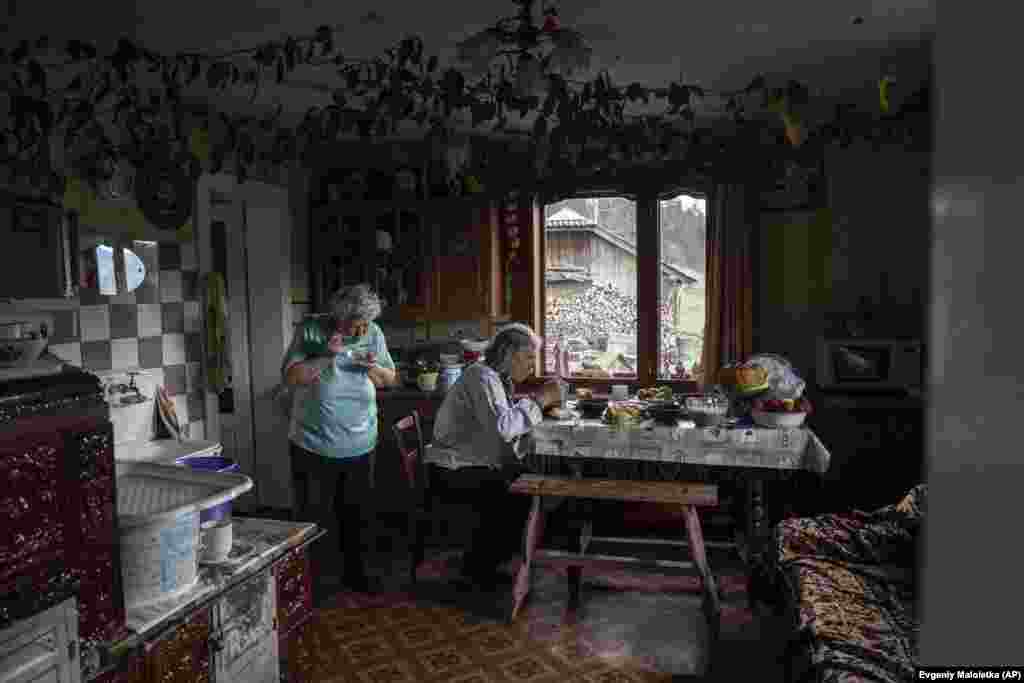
{"x": 743, "y": 376}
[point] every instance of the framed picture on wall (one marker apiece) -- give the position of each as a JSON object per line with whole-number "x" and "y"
{"x": 793, "y": 185}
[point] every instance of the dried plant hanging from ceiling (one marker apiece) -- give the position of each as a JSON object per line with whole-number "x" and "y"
{"x": 75, "y": 112}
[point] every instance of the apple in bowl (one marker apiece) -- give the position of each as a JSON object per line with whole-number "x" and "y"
{"x": 774, "y": 412}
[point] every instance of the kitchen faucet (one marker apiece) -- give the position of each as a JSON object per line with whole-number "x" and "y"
{"x": 130, "y": 388}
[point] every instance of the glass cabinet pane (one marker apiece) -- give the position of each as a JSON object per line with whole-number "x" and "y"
{"x": 403, "y": 258}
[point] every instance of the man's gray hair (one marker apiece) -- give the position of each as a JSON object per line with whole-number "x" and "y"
{"x": 513, "y": 337}
{"x": 356, "y": 302}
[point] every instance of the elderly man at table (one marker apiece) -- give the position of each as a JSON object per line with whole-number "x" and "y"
{"x": 480, "y": 437}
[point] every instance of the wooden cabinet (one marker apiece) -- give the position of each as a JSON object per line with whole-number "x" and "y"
{"x": 183, "y": 655}
{"x": 253, "y": 630}
{"x": 42, "y": 648}
{"x": 877, "y": 449}
{"x": 36, "y": 262}
{"x": 294, "y": 608}
{"x": 59, "y": 501}
{"x": 429, "y": 259}
{"x": 460, "y": 292}
{"x": 245, "y": 644}
{"x": 388, "y": 244}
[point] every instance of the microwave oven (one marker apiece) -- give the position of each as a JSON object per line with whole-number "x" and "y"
{"x": 870, "y": 364}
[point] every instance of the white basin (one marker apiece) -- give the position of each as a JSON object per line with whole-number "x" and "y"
{"x": 163, "y": 451}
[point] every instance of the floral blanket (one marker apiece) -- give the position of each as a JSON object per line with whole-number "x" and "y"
{"x": 851, "y": 578}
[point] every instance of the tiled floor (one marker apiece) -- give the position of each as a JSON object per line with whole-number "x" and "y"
{"x": 628, "y": 627}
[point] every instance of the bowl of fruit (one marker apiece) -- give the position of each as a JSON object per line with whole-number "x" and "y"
{"x": 775, "y": 412}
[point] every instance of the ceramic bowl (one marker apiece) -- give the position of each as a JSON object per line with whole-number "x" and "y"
{"x": 592, "y": 408}
{"x": 427, "y": 381}
{"x": 773, "y": 420}
{"x": 19, "y": 353}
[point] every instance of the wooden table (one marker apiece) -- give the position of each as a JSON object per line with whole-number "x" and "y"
{"x": 587, "y": 459}
{"x": 749, "y": 456}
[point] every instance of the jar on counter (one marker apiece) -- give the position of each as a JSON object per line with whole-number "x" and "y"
{"x": 449, "y": 376}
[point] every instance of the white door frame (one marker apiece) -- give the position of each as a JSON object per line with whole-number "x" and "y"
{"x": 258, "y": 278}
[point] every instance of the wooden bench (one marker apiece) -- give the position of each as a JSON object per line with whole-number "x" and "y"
{"x": 688, "y": 495}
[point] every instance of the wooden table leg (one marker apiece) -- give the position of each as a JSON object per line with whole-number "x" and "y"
{"x": 712, "y": 607}
{"x": 755, "y": 540}
{"x": 531, "y": 537}
{"x": 575, "y": 572}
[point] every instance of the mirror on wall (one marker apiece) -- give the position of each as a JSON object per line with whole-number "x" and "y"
{"x": 112, "y": 265}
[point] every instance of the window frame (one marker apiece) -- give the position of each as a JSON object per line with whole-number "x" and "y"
{"x": 648, "y": 250}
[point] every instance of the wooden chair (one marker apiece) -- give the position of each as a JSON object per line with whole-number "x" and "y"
{"x": 409, "y": 437}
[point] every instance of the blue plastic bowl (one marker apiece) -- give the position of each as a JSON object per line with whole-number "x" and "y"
{"x": 211, "y": 463}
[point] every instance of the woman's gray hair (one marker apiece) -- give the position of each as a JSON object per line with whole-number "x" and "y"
{"x": 356, "y": 302}
{"x": 513, "y": 337}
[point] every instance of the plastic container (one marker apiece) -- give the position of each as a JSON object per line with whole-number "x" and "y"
{"x": 449, "y": 376}
{"x": 211, "y": 463}
{"x": 158, "y": 508}
{"x": 159, "y": 560}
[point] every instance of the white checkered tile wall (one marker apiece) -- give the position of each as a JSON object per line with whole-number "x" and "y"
{"x": 154, "y": 330}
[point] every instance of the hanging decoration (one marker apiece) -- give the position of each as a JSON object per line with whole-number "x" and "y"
{"x": 72, "y": 111}
{"x": 163, "y": 191}
{"x": 529, "y": 52}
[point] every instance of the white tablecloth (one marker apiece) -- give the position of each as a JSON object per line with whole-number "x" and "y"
{"x": 747, "y": 447}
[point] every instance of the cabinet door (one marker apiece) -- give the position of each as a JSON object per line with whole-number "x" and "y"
{"x": 43, "y": 648}
{"x": 246, "y": 642}
{"x": 184, "y": 655}
{"x": 294, "y": 591}
{"x": 36, "y": 263}
{"x": 459, "y": 278}
{"x": 344, "y": 248}
{"x": 31, "y": 491}
{"x": 404, "y": 271}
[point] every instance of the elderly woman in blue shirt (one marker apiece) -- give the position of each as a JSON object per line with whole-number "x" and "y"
{"x": 333, "y": 428}
{"x": 480, "y": 436}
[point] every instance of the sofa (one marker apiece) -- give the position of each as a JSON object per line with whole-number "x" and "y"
{"x": 848, "y": 584}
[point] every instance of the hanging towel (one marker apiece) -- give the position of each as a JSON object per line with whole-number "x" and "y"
{"x": 217, "y": 361}
{"x": 167, "y": 416}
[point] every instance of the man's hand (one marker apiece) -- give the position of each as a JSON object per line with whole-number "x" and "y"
{"x": 550, "y": 394}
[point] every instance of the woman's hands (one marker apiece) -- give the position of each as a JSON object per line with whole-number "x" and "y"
{"x": 335, "y": 344}
{"x": 304, "y": 373}
{"x": 381, "y": 377}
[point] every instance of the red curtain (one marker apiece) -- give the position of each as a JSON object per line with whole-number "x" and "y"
{"x": 728, "y": 327}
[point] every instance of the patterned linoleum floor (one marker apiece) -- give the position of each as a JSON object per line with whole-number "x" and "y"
{"x": 628, "y": 627}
